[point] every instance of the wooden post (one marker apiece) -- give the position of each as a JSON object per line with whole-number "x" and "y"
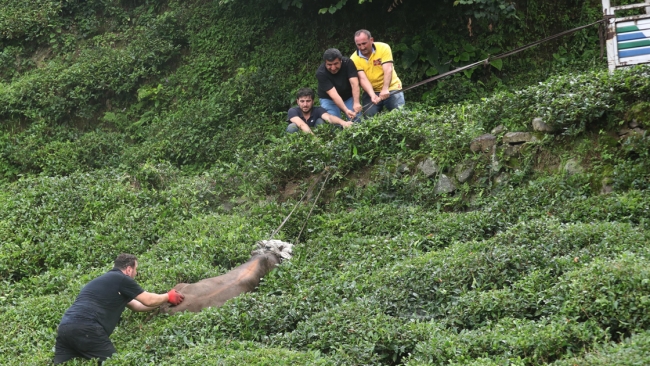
{"x": 609, "y": 43}
{"x": 606, "y": 7}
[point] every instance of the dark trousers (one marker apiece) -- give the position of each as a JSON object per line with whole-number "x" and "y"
{"x": 82, "y": 340}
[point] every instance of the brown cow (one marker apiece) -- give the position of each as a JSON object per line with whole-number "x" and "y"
{"x": 216, "y": 291}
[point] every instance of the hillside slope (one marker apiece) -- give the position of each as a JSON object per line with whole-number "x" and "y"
{"x": 446, "y": 233}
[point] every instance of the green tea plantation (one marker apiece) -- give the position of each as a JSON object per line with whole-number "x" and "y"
{"x": 502, "y": 217}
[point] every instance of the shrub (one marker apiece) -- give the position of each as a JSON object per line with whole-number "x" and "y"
{"x": 356, "y": 332}
{"x": 614, "y": 293}
{"x": 84, "y": 218}
{"x": 518, "y": 341}
{"x": 39, "y": 315}
{"x": 568, "y": 102}
{"x": 630, "y": 351}
{"x": 427, "y": 284}
{"x": 29, "y": 20}
{"x": 632, "y": 172}
{"x": 73, "y": 87}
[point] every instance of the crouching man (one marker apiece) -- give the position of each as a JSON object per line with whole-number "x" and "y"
{"x": 86, "y": 326}
{"x": 305, "y": 116}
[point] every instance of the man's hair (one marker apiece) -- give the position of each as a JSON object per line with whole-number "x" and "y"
{"x": 364, "y": 31}
{"x": 332, "y": 54}
{"x": 305, "y": 92}
{"x": 125, "y": 260}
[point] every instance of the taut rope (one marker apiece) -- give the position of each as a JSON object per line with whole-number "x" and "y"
{"x": 296, "y": 206}
{"x": 366, "y": 107}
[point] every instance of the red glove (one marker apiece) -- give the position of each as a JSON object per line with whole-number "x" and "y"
{"x": 175, "y": 297}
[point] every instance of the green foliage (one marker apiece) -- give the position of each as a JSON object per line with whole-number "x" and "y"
{"x": 494, "y": 264}
{"x": 48, "y": 212}
{"x": 615, "y": 293}
{"x": 156, "y": 128}
{"x": 60, "y": 150}
{"x": 27, "y": 19}
{"x": 510, "y": 341}
{"x": 41, "y": 315}
{"x": 632, "y": 172}
{"x": 62, "y": 90}
{"x": 489, "y": 9}
{"x": 569, "y": 103}
{"x": 356, "y": 332}
{"x": 13, "y": 61}
{"x": 631, "y": 351}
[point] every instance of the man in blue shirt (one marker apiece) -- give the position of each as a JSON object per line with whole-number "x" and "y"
{"x": 305, "y": 116}
{"x": 86, "y": 326}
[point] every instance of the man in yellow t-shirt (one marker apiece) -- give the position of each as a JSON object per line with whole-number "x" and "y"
{"x": 377, "y": 76}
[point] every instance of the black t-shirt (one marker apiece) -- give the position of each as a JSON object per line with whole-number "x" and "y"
{"x": 103, "y": 300}
{"x": 340, "y": 80}
{"x": 316, "y": 113}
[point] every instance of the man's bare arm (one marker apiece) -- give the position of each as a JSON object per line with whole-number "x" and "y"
{"x": 336, "y": 120}
{"x": 301, "y": 124}
{"x": 367, "y": 87}
{"x": 356, "y": 105}
{"x": 388, "y": 76}
{"x": 151, "y": 300}
{"x": 336, "y": 98}
{"x": 136, "y": 305}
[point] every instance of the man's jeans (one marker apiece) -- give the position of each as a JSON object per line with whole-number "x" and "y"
{"x": 292, "y": 128}
{"x": 393, "y": 102}
{"x": 334, "y": 110}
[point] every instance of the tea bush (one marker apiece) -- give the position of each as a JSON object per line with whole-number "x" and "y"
{"x": 631, "y": 351}
{"x": 65, "y": 89}
{"x": 357, "y": 332}
{"x": 518, "y": 341}
{"x": 156, "y": 128}
{"x": 569, "y": 103}
{"x": 93, "y": 214}
{"x": 231, "y": 353}
{"x": 612, "y": 292}
{"x": 59, "y": 150}
{"x": 29, "y": 336}
{"x": 27, "y": 20}
{"x": 632, "y": 173}
{"x": 496, "y": 263}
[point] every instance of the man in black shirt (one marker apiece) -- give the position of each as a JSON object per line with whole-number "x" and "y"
{"x": 86, "y": 326}
{"x": 305, "y": 116}
{"x": 338, "y": 85}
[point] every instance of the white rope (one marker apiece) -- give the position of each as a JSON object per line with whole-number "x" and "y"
{"x": 280, "y": 248}
{"x": 298, "y": 203}
{"x": 312, "y": 207}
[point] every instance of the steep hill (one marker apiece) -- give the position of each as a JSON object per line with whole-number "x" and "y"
{"x": 501, "y": 218}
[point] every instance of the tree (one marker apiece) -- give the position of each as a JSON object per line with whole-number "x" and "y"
{"x": 489, "y": 9}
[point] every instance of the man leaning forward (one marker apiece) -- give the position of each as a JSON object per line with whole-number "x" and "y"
{"x": 305, "y": 116}
{"x": 377, "y": 76}
{"x": 86, "y": 326}
{"x": 338, "y": 85}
